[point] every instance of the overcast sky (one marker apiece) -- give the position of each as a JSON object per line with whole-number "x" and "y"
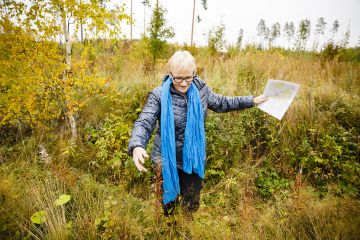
{"x": 246, "y": 15}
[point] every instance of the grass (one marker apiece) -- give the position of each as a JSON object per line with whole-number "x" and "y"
{"x": 114, "y": 201}
{"x": 231, "y": 209}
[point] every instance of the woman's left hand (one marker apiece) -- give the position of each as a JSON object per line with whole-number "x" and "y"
{"x": 260, "y": 99}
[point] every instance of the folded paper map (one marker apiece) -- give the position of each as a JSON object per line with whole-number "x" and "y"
{"x": 281, "y": 94}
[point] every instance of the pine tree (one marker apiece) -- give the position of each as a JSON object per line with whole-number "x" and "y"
{"x": 158, "y": 32}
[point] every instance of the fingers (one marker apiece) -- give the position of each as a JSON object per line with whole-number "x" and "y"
{"x": 264, "y": 98}
{"x": 142, "y": 160}
{"x": 261, "y": 99}
{"x": 138, "y": 157}
{"x": 139, "y": 166}
{"x": 143, "y": 156}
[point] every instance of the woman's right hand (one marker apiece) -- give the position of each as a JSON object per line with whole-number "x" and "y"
{"x": 260, "y": 99}
{"x": 139, "y": 156}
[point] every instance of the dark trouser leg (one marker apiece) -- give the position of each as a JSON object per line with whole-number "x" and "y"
{"x": 190, "y": 187}
{"x": 169, "y": 208}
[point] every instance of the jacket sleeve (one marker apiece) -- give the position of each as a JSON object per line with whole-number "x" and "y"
{"x": 145, "y": 124}
{"x": 219, "y": 103}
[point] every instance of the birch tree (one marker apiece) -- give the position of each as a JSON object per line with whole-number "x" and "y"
{"x": 261, "y": 30}
{"x": 303, "y": 34}
{"x": 289, "y": 32}
{"x": 204, "y": 4}
{"x": 44, "y": 78}
{"x": 146, "y": 4}
{"x": 274, "y": 34}
{"x": 334, "y": 29}
{"x": 319, "y": 31}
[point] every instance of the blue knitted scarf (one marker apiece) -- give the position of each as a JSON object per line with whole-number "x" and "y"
{"x": 194, "y": 143}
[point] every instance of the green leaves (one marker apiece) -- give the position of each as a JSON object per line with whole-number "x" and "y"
{"x": 269, "y": 181}
{"x": 39, "y": 217}
{"x": 62, "y": 200}
{"x": 32, "y": 70}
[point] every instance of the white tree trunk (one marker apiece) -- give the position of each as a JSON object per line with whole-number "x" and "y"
{"x": 192, "y": 26}
{"x": 69, "y": 113}
{"x": 131, "y": 16}
{"x": 81, "y": 28}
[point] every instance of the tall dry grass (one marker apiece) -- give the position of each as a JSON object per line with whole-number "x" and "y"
{"x": 231, "y": 207}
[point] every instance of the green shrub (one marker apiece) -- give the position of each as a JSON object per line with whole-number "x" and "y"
{"x": 269, "y": 182}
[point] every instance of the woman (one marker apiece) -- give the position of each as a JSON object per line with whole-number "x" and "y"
{"x": 180, "y": 106}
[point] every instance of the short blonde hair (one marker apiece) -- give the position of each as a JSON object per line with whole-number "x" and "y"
{"x": 182, "y": 60}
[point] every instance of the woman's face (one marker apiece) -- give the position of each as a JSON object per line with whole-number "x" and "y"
{"x": 182, "y": 79}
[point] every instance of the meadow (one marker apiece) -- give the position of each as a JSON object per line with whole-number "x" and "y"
{"x": 297, "y": 178}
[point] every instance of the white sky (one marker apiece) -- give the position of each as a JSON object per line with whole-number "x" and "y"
{"x": 246, "y": 15}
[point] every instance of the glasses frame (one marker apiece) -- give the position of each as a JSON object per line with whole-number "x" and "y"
{"x": 181, "y": 79}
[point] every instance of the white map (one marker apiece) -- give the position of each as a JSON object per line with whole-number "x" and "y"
{"x": 281, "y": 94}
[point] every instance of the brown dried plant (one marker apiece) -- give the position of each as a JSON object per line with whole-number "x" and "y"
{"x": 298, "y": 197}
{"x": 158, "y": 189}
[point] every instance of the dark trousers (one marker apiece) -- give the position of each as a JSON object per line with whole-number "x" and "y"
{"x": 189, "y": 200}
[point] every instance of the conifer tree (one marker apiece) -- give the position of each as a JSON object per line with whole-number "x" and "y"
{"x": 158, "y": 32}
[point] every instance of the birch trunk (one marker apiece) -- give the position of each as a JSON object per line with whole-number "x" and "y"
{"x": 131, "y": 15}
{"x": 69, "y": 113}
{"x": 192, "y": 26}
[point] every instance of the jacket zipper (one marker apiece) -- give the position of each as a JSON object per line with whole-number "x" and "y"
{"x": 183, "y": 95}
{"x": 185, "y": 98}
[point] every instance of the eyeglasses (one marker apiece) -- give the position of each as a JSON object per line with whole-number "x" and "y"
{"x": 188, "y": 79}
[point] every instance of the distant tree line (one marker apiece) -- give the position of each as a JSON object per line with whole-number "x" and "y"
{"x": 297, "y": 39}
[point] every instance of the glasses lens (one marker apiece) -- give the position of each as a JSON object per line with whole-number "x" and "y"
{"x": 188, "y": 80}
{"x": 178, "y": 80}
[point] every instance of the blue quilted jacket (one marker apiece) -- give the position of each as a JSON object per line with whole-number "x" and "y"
{"x": 150, "y": 116}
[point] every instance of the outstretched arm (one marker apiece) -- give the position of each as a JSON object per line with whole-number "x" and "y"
{"x": 219, "y": 103}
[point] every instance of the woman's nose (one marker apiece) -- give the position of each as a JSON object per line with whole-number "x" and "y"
{"x": 183, "y": 83}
